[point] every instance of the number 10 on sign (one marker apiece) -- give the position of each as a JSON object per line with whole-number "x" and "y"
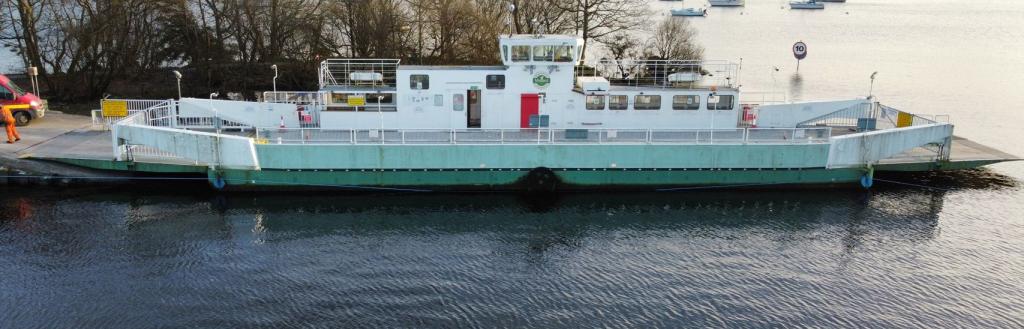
{"x": 800, "y": 52}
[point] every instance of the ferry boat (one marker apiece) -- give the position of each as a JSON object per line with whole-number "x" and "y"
{"x": 543, "y": 120}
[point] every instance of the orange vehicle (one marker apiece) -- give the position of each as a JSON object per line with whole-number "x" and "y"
{"x": 12, "y": 94}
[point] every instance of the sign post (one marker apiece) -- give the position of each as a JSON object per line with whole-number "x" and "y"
{"x": 800, "y": 52}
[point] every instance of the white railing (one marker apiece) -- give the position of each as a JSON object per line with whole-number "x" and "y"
{"x": 134, "y": 106}
{"x": 542, "y": 136}
{"x": 359, "y": 72}
{"x": 656, "y": 73}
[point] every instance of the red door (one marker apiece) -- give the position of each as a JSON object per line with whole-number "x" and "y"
{"x": 529, "y": 106}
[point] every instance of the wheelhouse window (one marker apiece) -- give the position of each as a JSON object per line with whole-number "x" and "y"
{"x": 520, "y": 53}
{"x": 595, "y": 102}
{"x": 544, "y": 53}
{"x": 647, "y": 102}
{"x": 618, "y": 102}
{"x": 419, "y": 82}
{"x": 496, "y": 81}
{"x": 563, "y": 54}
{"x": 6, "y": 94}
{"x": 720, "y": 102}
{"x": 686, "y": 102}
{"x": 504, "y": 53}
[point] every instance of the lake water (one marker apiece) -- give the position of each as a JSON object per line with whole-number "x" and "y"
{"x": 947, "y": 256}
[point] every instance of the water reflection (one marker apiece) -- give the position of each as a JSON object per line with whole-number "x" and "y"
{"x": 796, "y": 86}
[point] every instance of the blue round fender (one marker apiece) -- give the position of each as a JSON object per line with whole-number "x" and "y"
{"x": 218, "y": 183}
{"x": 866, "y": 181}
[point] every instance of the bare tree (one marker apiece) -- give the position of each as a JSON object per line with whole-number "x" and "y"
{"x": 548, "y": 15}
{"x": 674, "y": 39}
{"x": 596, "y": 19}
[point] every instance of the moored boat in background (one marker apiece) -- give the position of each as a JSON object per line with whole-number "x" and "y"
{"x": 806, "y": 4}
{"x": 726, "y": 3}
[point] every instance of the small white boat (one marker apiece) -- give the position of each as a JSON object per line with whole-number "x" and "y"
{"x": 690, "y": 12}
{"x": 727, "y": 3}
{"x": 806, "y": 4}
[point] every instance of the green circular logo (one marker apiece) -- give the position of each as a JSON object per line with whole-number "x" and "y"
{"x": 541, "y": 80}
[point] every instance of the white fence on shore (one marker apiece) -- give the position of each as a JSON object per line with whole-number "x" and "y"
{"x": 543, "y": 136}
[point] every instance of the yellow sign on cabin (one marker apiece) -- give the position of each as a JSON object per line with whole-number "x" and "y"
{"x": 356, "y": 100}
{"x": 114, "y": 108}
{"x": 904, "y": 119}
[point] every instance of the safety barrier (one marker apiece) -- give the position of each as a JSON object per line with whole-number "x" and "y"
{"x": 543, "y": 136}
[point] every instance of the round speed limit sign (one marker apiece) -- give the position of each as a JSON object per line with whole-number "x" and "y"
{"x": 800, "y": 50}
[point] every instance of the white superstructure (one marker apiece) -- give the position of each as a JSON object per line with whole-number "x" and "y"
{"x": 540, "y": 84}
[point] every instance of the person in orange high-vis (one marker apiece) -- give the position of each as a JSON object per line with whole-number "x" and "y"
{"x": 8, "y": 121}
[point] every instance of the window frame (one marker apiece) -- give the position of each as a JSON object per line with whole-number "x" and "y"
{"x": 487, "y": 82}
{"x": 625, "y": 103}
{"x": 604, "y": 103}
{"x": 686, "y": 107}
{"x": 718, "y": 107}
{"x": 529, "y": 54}
{"x": 548, "y": 53}
{"x": 413, "y": 80}
{"x": 568, "y": 58}
{"x": 655, "y": 107}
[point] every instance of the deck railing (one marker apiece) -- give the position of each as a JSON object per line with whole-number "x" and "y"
{"x": 542, "y": 136}
{"x": 872, "y": 116}
{"x": 657, "y": 73}
{"x": 358, "y": 73}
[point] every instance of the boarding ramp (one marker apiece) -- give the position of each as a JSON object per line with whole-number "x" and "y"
{"x": 868, "y": 148}
{"x": 160, "y": 133}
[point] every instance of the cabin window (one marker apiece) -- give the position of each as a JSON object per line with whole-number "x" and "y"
{"x": 595, "y": 102}
{"x": 686, "y": 102}
{"x": 379, "y": 102}
{"x": 496, "y": 81}
{"x": 647, "y": 102}
{"x": 419, "y": 82}
{"x": 520, "y": 53}
{"x": 563, "y": 54}
{"x": 6, "y": 94}
{"x": 618, "y": 102}
{"x": 458, "y": 102}
{"x": 544, "y": 53}
{"x": 504, "y": 53}
{"x": 721, "y": 102}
